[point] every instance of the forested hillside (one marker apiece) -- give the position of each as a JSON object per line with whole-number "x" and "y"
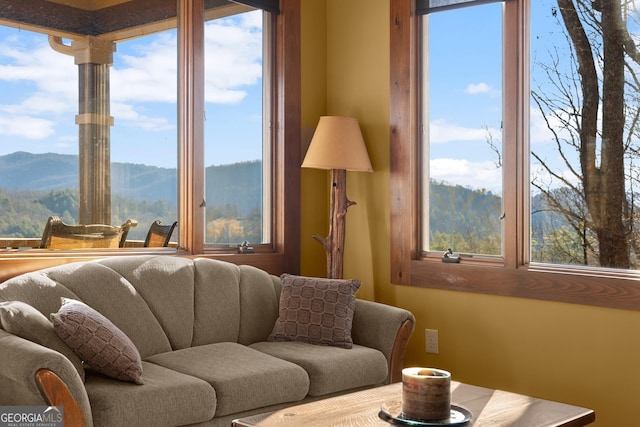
{"x": 35, "y": 186}
{"x": 464, "y": 220}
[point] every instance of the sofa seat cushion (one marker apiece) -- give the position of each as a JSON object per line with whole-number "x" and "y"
{"x": 331, "y": 369}
{"x": 166, "y": 398}
{"x": 243, "y": 378}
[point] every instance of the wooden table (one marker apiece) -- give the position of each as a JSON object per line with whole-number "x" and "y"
{"x": 490, "y": 408}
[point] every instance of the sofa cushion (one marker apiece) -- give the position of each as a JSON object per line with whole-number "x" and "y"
{"x": 316, "y": 311}
{"x": 23, "y": 320}
{"x": 168, "y": 398}
{"x": 108, "y": 292}
{"x": 217, "y": 301}
{"x": 259, "y": 300}
{"x": 37, "y": 290}
{"x": 331, "y": 369}
{"x": 97, "y": 341}
{"x": 243, "y": 378}
{"x": 165, "y": 284}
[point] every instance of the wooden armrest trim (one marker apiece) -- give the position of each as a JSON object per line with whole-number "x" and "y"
{"x": 399, "y": 348}
{"x": 57, "y": 393}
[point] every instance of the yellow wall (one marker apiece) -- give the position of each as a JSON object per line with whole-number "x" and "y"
{"x": 583, "y": 355}
{"x": 315, "y": 193}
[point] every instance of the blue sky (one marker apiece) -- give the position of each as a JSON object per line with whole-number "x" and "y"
{"x": 38, "y": 89}
{"x": 40, "y": 95}
{"x": 465, "y": 93}
{"x": 38, "y": 112}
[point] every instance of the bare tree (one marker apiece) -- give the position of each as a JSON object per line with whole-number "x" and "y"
{"x": 592, "y": 106}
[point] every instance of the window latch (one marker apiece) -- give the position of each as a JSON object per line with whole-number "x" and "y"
{"x": 244, "y": 248}
{"x": 450, "y": 257}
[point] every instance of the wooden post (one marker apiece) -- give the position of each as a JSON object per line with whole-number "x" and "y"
{"x": 94, "y": 57}
{"x": 334, "y": 242}
{"x": 94, "y": 152}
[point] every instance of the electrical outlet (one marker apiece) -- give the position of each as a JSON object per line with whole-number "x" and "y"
{"x": 431, "y": 341}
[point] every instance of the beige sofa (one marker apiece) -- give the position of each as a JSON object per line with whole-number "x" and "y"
{"x": 202, "y": 330}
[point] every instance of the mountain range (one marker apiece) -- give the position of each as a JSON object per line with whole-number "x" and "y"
{"x": 234, "y": 190}
{"x": 237, "y": 184}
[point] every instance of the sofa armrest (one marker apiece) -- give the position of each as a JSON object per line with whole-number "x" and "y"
{"x": 43, "y": 375}
{"x": 385, "y": 328}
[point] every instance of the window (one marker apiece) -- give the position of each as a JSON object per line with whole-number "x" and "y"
{"x": 144, "y": 135}
{"x": 584, "y": 134}
{"x": 531, "y": 265}
{"x": 461, "y": 138}
{"x": 87, "y": 158}
{"x": 238, "y": 129}
{"x": 155, "y": 126}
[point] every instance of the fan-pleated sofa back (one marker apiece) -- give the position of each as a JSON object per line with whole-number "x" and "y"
{"x": 162, "y": 303}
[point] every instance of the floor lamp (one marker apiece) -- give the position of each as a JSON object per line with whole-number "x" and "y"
{"x": 337, "y": 144}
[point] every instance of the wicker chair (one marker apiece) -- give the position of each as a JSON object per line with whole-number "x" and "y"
{"x": 159, "y": 235}
{"x": 58, "y": 235}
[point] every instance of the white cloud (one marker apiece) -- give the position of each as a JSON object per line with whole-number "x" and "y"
{"x": 477, "y": 88}
{"x": 135, "y": 118}
{"x": 50, "y": 75}
{"x": 440, "y": 132}
{"x": 470, "y": 174}
{"x": 146, "y": 73}
{"x": 233, "y": 51}
{"x": 541, "y": 176}
{"x": 64, "y": 143}
{"x": 25, "y": 126}
{"x": 50, "y": 72}
{"x": 150, "y": 75}
{"x": 539, "y": 132}
{"x": 232, "y": 58}
{"x": 40, "y": 103}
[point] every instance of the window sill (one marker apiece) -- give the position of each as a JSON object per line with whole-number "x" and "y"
{"x": 550, "y": 283}
{"x": 14, "y": 262}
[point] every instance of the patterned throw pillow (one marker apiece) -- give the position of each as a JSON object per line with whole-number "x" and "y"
{"x": 316, "y": 311}
{"x": 23, "y": 320}
{"x": 97, "y": 341}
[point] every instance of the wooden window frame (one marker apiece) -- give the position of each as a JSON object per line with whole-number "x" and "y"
{"x": 514, "y": 275}
{"x": 284, "y": 252}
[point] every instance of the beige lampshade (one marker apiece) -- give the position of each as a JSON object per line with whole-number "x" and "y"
{"x": 337, "y": 143}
